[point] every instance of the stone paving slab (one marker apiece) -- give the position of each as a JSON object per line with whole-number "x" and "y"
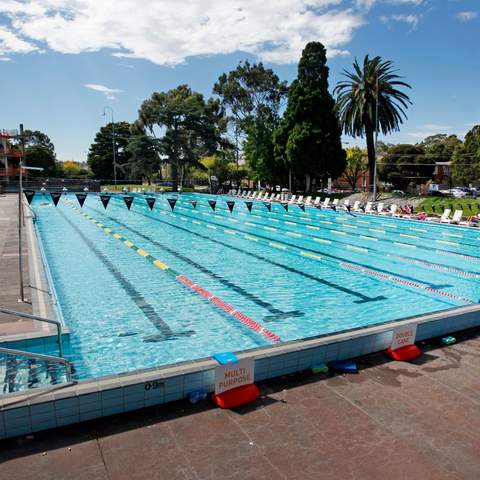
{"x": 9, "y": 275}
{"x": 393, "y": 420}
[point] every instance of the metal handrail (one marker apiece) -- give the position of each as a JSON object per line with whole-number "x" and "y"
{"x": 40, "y": 319}
{"x": 41, "y": 356}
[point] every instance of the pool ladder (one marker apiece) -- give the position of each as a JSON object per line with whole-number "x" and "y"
{"x": 47, "y": 359}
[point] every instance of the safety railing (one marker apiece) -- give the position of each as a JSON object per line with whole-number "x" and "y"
{"x": 39, "y": 319}
{"x": 40, "y": 356}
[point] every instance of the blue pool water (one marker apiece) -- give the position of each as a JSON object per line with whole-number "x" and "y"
{"x": 297, "y": 274}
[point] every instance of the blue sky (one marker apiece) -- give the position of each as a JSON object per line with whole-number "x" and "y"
{"x": 62, "y": 61}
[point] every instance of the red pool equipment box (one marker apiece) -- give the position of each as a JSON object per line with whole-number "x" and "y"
{"x": 233, "y": 375}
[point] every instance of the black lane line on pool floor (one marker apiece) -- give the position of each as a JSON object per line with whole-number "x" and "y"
{"x": 311, "y": 237}
{"x": 275, "y": 313}
{"x": 363, "y": 298}
{"x": 166, "y": 333}
{"x": 352, "y": 234}
{"x": 320, "y": 252}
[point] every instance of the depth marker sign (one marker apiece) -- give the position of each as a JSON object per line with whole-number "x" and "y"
{"x": 233, "y": 375}
{"x": 403, "y": 336}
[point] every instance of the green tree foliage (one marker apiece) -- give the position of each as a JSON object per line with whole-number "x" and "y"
{"x": 41, "y": 156}
{"x": 309, "y": 137}
{"x": 440, "y": 147}
{"x": 356, "y": 165}
{"x": 466, "y": 159}
{"x": 35, "y": 137}
{"x": 100, "y": 155}
{"x": 357, "y": 102}
{"x": 253, "y": 96}
{"x": 191, "y": 126}
{"x": 404, "y": 167}
{"x": 144, "y": 159}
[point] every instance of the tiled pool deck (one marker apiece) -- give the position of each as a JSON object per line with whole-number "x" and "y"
{"x": 392, "y": 420}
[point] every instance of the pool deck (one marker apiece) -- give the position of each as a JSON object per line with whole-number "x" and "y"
{"x": 400, "y": 420}
{"x": 38, "y": 302}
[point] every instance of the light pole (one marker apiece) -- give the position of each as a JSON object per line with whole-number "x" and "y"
{"x": 375, "y": 145}
{"x": 113, "y": 143}
{"x": 22, "y": 167}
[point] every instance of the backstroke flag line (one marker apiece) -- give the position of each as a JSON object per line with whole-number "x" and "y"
{"x": 105, "y": 199}
{"x": 212, "y": 203}
{"x": 172, "y": 202}
{"x": 81, "y": 197}
{"x": 128, "y": 201}
{"x": 194, "y": 203}
{"x": 55, "y": 197}
{"x": 151, "y": 202}
{"x": 230, "y": 205}
{"x": 249, "y": 206}
{"x": 268, "y": 205}
{"x": 29, "y": 194}
{"x": 301, "y": 206}
{"x": 285, "y": 206}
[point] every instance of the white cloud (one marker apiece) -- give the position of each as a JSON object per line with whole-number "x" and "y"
{"x": 370, "y": 3}
{"x": 168, "y": 32}
{"x": 11, "y": 43}
{"x": 410, "y": 19}
{"x": 466, "y": 16}
{"x": 108, "y": 92}
{"x": 5, "y": 59}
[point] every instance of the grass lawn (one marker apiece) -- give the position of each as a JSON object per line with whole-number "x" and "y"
{"x": 470, "y": 206}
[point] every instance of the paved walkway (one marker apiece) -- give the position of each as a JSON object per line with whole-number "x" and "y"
{"x": 392, "y": 420}
{"x": 9, "y": 276}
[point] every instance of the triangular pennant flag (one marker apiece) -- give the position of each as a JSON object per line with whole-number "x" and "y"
{"x": 230, "y": 205}
{"x": 151, "y": 202}
{"x": 55, "y": 197}
{"x": 249, "y": 205}
{"x": 29, "y": 194}
{"x": 268, "y": 205}
{"x": 194, "y": 203}
{"x": 81, "y": 197}
{"x": 285, "y": 205}
{"x": 172, "y": 202}
{"x": 301, "y": 206}
{"x": 128, "y": 201}
{"x": 212, "y": 203}
{"x": 105, "y": 199}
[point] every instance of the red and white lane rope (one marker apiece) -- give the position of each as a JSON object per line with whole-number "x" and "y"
{"x": 244, "y": 319}
{"x": 405, "y": 282}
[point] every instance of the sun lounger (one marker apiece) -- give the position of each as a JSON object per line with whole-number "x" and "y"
{"x": 356, "y": 206}
{"x": 300, "y": 199}
{"x": 292, "y": 199}
{"x": 380, "y": 208}
{"x": 457, "y": 216}
{"x": 345, "y": 204}
{"x": 391, "y": 211}
{"x": 316, "y": 202}
{"x": 369, "y": 207}
{"x": 308, "y": 200}
{"x": 326, "y": 202}
{"x": 334, "y": 204}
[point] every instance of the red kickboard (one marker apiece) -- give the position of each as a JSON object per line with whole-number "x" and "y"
{"x": 237, "y": 396}
{"x": 404, "y": 354}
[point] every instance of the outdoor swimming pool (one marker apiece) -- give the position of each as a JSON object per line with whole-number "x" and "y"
{"x": 145, "y": 288}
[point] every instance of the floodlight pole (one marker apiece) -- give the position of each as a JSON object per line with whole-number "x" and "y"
{"x": 113, "y": 145}
{"x": 375, "y": 145}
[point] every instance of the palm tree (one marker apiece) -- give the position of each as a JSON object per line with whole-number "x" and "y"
{"x": 357, "y": 103}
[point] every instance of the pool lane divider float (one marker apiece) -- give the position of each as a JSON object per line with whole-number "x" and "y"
{"x": 318, "y": 239}
{"x": 358, "y": 268}
{"x": 219, "y": 303}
